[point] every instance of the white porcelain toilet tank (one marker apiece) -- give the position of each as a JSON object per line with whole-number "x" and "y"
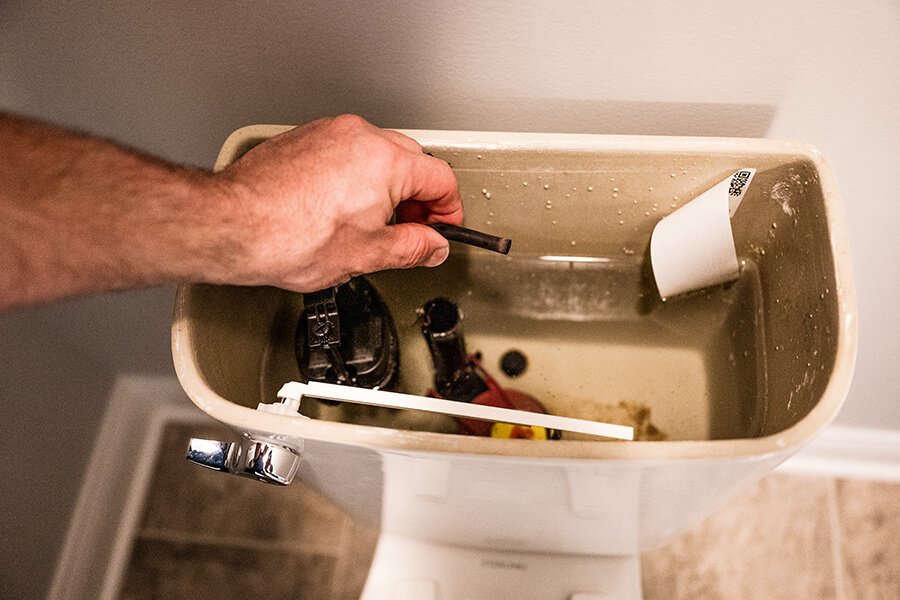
{"x": 721, "y": 385}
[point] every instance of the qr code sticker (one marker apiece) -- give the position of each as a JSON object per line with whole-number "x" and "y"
{"x": 738, "y": 181}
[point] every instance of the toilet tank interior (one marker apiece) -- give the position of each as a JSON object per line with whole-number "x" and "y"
{"x": 740, "y": 360}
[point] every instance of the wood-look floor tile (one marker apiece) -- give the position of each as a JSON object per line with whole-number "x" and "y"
{"x": 163, "y": 570}
{"x": 869, "y": 516}
{"x": 771, "y": 542}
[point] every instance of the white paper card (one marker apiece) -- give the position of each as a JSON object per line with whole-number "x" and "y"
{"x": 693, "y": 247}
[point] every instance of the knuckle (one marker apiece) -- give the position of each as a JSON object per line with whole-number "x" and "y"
{"x": 348, "y": 122}
{"x": 419, "y": 251}
{"x": 411, "y": 250}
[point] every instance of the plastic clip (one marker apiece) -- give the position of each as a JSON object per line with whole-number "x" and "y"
{"x": 322, "y": 319}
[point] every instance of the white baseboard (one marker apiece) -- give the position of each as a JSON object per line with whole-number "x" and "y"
{"x": 850, "y": 453}
{"x": 111, "y": 500}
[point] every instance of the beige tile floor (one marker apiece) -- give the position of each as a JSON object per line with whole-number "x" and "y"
{"x": 207, "y": 535}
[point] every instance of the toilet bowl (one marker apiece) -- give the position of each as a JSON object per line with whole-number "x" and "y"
{"x": 722, "y": 385}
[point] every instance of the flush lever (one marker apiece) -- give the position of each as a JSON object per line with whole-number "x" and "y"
{"x": 263, "y": 461}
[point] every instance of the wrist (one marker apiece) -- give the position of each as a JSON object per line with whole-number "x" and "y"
{"x": 212, "y": 232}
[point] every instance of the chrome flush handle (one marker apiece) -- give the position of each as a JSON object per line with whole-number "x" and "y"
{"x": 263, "y": 461}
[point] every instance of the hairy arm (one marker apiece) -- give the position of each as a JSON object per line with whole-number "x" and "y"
{"x": 307, "y": 209}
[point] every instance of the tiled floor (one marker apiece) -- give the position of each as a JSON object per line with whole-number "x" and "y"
{"x": 207, "y": 535}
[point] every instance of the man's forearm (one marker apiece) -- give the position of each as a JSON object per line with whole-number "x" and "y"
{"x": 82, "y": 215}
{"x": 305, "y": 210}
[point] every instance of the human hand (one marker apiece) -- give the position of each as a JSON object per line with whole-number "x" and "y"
{"x": 316, "y": 205}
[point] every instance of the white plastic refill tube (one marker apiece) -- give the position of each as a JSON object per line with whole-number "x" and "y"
{"x": 693, "y": 247}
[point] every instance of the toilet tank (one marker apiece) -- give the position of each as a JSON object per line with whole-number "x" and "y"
{"x": 721, "y": 385}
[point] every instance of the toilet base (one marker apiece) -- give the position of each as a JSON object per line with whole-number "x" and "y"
{"x": 407, "y": 569}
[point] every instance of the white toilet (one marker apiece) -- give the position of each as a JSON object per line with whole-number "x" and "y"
{"x": 735, "y": 378}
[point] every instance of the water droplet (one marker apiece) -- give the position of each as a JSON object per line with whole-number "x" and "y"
{"x": 546, "y": 186}
{"x": 615, "y": 195}
{"x": 573, "y": 242}
{"x": 615, "y": 189}
{"x": 590, "y": 188}
{"x": 478, "y": 157}
{"x": 524, "y": 183}
{"x": 672, "y": 175}
{"x": 621, "y": 222}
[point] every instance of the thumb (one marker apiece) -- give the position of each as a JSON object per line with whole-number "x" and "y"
{"x": 409, "y": 245}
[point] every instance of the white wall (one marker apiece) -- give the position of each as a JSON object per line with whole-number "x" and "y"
{"x": 176, "y": 77}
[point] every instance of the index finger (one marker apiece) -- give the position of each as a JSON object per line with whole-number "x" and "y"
{"x": 430, "y": 183}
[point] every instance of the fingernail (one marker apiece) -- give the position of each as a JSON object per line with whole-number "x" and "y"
{"x": 438, "y": 256}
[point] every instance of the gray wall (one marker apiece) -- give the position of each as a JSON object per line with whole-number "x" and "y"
{"x": 175, "y": 78}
